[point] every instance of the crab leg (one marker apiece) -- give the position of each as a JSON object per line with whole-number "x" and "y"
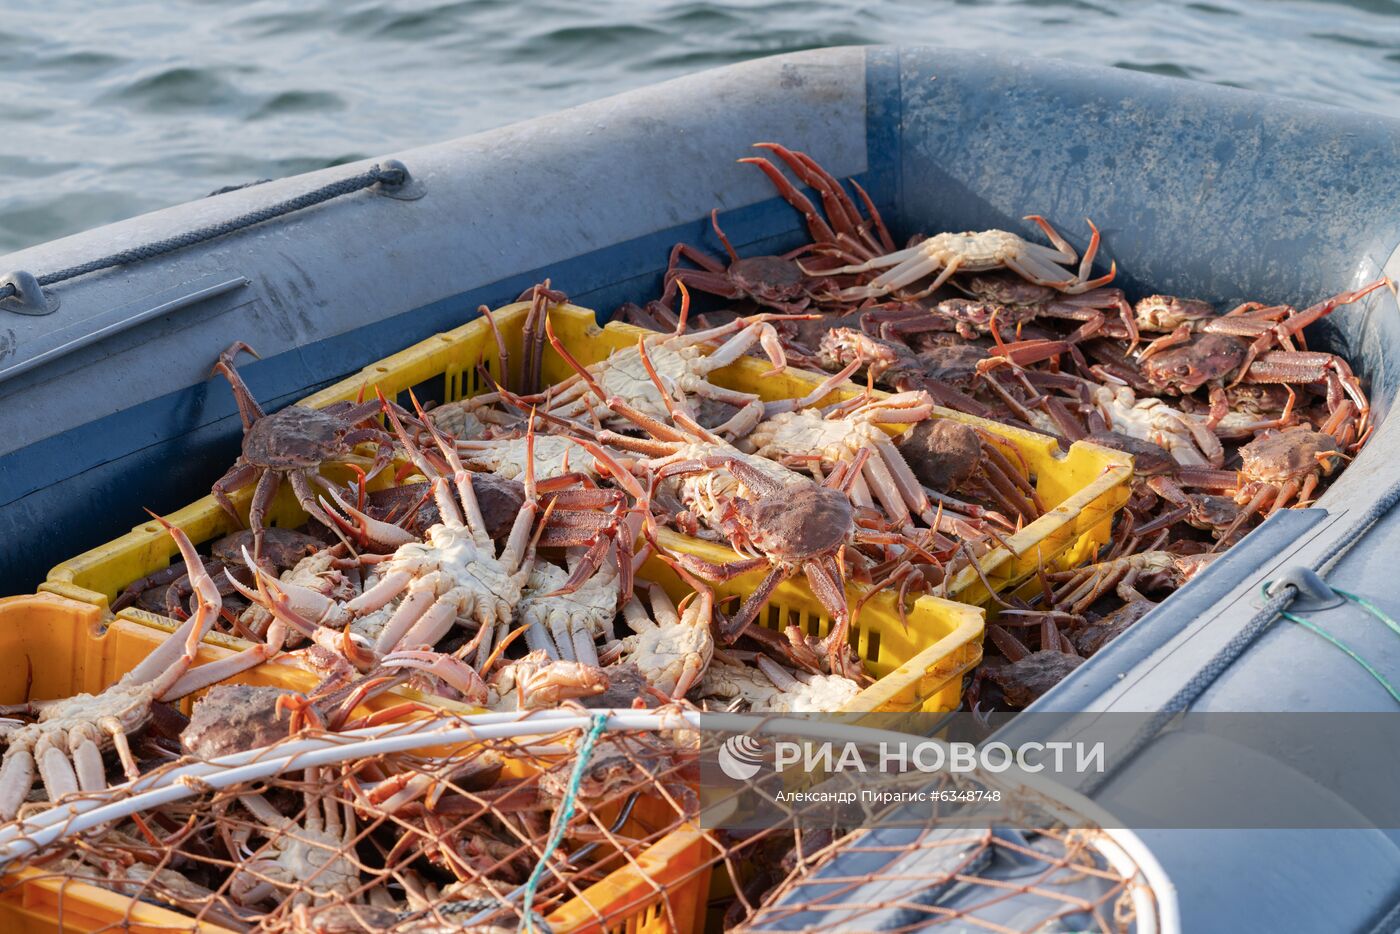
{"x": 538, "y": 639}
{"x": 826, "y": 584}
{"x": 167, "y": 662}
{"x": 263, "y": 495}
{"x": 455, "y": 672}
{"x": 909, "y": 272}
{"x": 734, "y": 627}
{"x": 886, "y": 241}
{"x": 818, "y": 393}
{"x": 372, "y": 532}
{"x": 407, "y": 615}
{"x": 816, "y": 225}
{"x": 782, "y": 679}
{"x": 377, "y": 597}
{"x": 55, "y": 769}
{"x": 838, "y": 205}
{"x": 16, "y": 778}
{"x": 113, "y": 727}
{"x": 877, "y": 474}
{"x": 211, "y": 673}
{"x": 438, "y": 620}
{"x": 1295, "y": 323}
{"x": 248, "y": 409}
{"x": 87, "y": 758}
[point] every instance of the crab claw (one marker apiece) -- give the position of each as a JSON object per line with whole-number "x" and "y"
{"x": 301, "y": 712}
{"x": 449, "y": 669}
{"x": 291, "y": 603}
{"x": 609, "y": 465}
{"x": 370, "y": 531}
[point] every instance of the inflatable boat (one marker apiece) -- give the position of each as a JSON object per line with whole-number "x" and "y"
{"x": 107, "y": 337}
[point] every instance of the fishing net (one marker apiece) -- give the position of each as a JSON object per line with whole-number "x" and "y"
{"x": 548, "y": 830}
{"x": 823, "y": 845}
{"x": 563, "y": 820}
{"x": 996, "y": 879}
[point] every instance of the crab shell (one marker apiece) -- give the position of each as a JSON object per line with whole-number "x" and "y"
{"x": 591, "y": 607}
{"x": 771, "y": 278}
{"x": 801, "y": 523}
{"x": 976, "y": 250}
{"x": 1288, "y": 455}
{"x": 1023, "y": 681}
{"x": 1184, "y": 369}
{"x": 944, "y": 453}
{"x": 1167, "y": 312}
{"x": 555, "y": 456}
{"x": 233, "y": 718}
{"x": 295, "y": 437}
{"x": 805, "y": 433}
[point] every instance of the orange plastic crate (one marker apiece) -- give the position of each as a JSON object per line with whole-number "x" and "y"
{"x": 59, "y": 647}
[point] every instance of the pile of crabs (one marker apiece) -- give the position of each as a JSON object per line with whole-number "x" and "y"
{"x": 500, "y": 568}
{"x": 493, "y": 550}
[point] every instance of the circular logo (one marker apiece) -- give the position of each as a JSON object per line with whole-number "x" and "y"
{"x": 740, "y": 757}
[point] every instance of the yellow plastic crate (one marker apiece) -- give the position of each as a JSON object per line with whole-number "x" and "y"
{"x": 918, "y": 667}
{"x": 58, "y": 647}
{"x": 1083, "y": 488}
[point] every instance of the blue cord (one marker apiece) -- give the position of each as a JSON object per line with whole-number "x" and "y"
{"x": 1370, "y": 608}
{"x": 563, "y": 817}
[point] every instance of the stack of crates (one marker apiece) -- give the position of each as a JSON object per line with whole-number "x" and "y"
{"x": 916, "y": 666}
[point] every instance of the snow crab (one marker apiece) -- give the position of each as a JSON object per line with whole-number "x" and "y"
{"x": 1265, "y": 325}
{"x": 1027, "y": 675}
{"x": 683, "y": 363}
{"x": 291, "y": 444}
{"x": 1017, "y": 301}
{"x": 950, "y": 457}
{"x": 801, "y": 437}
{"x": 773, "y": 689}
{"x": 1220, "y": 355}
{"x": 671, "y": 645}
{"x": 424, "y": 588}
{"x": 303, "y": 863}
{"x": 944, "y": 254}
{"x": 1279, "y": 468}
{"x": 1215, "y": 514}
{"x": 66, "y": 742}
{"x": 1188, "y": 438}
{"x": 775, "y": 282}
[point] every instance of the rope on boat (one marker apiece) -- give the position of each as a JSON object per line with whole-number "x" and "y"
{"x": 1356, "y": 656}
{"x": 562, "y": 817}
{"x": 389, "y": 175}
{"x": 1282, "y": 598}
